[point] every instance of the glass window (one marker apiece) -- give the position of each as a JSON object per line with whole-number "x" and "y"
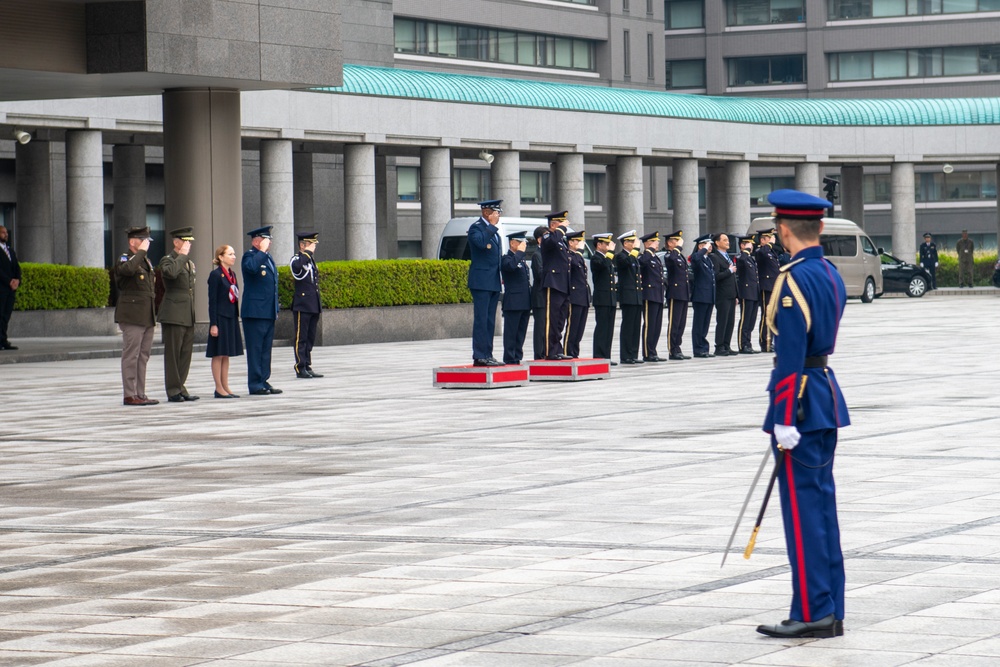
{"x": 564, "y": 52}
{"x": 961, "y": 60}
{"x": 583, "y": 54}
{"x": 837, "y": 245}
{"x": 758, "y": 71}
{"x": 650, "y": 71}
{"x": 989, "y": 5}
{"x": 787, "y": 11}
{"x": 888, "y": 8}
{"x": 756, "y": 12}
{"x": 867, "y": 246}
{"x": 627, "y": 54}
{"x": 526, "y": 49}
{"x": 470, "y": 185}
{"x": 854, "y": 66}
{"x": 958, "y": 6}
{"x": 507, "y": 47}
{"x": 447, "y": 40}
{"x": 591, "y": 188}
{"x": 878, "y": 188}
{"x": 889, "y": 64}
{"x": 685, "y": 74}
{"x": 408, "y": 183}
{"x": 681, "y": 14}
{"x": 534, "y": 187}
{"x": 406, "y": 35}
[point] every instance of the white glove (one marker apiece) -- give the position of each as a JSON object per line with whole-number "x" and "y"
{"x": 937, "y": 264}
{"x": 787, "y": 436}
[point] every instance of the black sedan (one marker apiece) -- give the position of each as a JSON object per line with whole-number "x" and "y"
{"x": 900, "y": 276}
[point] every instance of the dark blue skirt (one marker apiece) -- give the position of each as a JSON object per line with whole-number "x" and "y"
{"x": 229, "y": 342}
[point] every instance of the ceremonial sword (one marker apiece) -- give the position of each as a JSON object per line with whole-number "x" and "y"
{"x": 746, "y": 501}
{"x": 763, "y": 506}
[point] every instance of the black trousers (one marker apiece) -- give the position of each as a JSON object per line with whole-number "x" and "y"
{"x": 576, "y": 322}
{"x": 931, "y": 269}
{"x": 556, "y": 311}
{"x": 6, "y": 308}
{"x": 604, "y": 331}
{"x": 515, "y": 326}
{"x": 484, "y": 321}
{"x": 538, "y": 332}
{"x": 764, "y": 337}
{"x": 725, "y": 316}
{"x": 699, "y": 327}
{"x": 631, "y": 330}
{"x": 677, "y": 317}
{"x": 748, "y": 320}
{"x": 652, "y": 323}
{"x": 305, "y": 338}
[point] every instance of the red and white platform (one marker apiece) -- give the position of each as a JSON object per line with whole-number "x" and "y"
{"x": 569, "y": 370}
{"x": 480, "y": 377}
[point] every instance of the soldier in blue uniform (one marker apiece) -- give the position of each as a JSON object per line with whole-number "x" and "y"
{"x": 678, "y": 294}
{"x": 653, "y": 295}
{"x": 929, "y": 258}
{"x": 538, "y": 295}
{"x": 516, "y": 298}
{"x": 579, "y": 296}
{"x": 806, "y": 408}
{"x": 259, "y": 310}
{"x": 630, "y": 298}
{"x": 602, "y": 268}
{"x": 484, "y": 280}
{"x": 767, "y": 273}
{"x": 555, "y": 260}
{"x": 748, "y": 293}
{"x": 305, "y": 303}
{"x": 702, "y": 295}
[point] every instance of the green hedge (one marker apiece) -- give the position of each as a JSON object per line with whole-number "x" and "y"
{"x": 386, "y": 282}
{"x": 59, "y": 287}
{"x": 947, "y": 272}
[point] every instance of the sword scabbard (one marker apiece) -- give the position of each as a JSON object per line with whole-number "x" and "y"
{"x": 752, "y": 543}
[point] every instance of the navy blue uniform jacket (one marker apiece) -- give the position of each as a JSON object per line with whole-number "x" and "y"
{"x": 306, "y": 278}
{"x": 260, "y": 285}
{"x": 516, "y": 288}
{"x": 629, "y": 279}
{"x": 579, "y": 289}
{"x": 484, "y": 250}
{"x": 746, "y": 277}
{"x": 678, "y": 281}
{"x": 555, "y": 261}
{"x": 537, "y": 275}
{"x": 703, "y": 280}
{"x": 767, "y": 267}
{"x": 652, "y": 276}
{"x": 605, "y": 275}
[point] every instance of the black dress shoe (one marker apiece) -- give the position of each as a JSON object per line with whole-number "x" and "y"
{"x": 638, "y": 361}
{"x": 612, "y": 363}
{"x": 314, "y": 373}
{"x": 704, "y": 355}
{"x": 272, "y": 389}
{"x": 747, "y": 351}
{"x": 789, "y": 629}
{"x": 8, "y": 346}
{"x": 480, "y": 362}
{"x": 557, "y": 357}
{"x": 304, "y": 375}
{"x": 628, "y": 362}
{"x": 189, "y": 397}
{"x": 494, "y": 362}
{"x": 263, "y": 391}
{"x": 176, "y": 398}
{"x": 722, "y": 353}
{"x": 218, "y": 395}
{"x": 677, "y": 357}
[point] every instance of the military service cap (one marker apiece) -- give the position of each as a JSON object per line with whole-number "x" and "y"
{"x": 574, "y": 236}
{"x": 516, "y": 236}
{"x": 307, "y": 237}
{"x": 262, "y": 232}
{"x": 558, "y": 216}
{"x": 137, "y": 232}
{"x": 797, "y": 205}
{"x": 630, "y": 235}
{"x": 704, "y": 238}
{"x": 927, "y": 235}
{"x": 492, "y": 204}
{"x": 603, "y": 237}
{"x": 184, "y": 233}
{"x": 677, "y": 236}
{"x": 652, "y": 236}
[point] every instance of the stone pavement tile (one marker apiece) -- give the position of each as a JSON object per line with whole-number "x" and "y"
{"x": 410, "y": 600}
{"x": 398, "y": 636}
{"x": 463, "y": 620}
{"x": 194, "y": 647}
{"x": 640, "y": 662}
{"x": 228, "y": 611}
{"x": 28, "y": 658}
{"x": 70, "y": 642}
{"x": 479, "y": 659}
{"x": 185, "y": 593}
{"x": 546, "y": 644}
{"x": 614, "y": 626}
{"x": 970, "y": 610}
{"x": 519, "y": 605}
{"x": 48, "y": 622}
{"x": 869, "y": 638}
{"x": 812, "y": 654}
{"x": 329, "y": 655}
{"x": 286, "y": 632}
{"x": 981, "y": 647}
{"x": 349, "y": 616}
{"x": 952, "y": 660}
{"x": 936, "y": 625}
{"x": 150, "y": 626}
{"x": 523, "y": 576}
{"x": 107, "y": 660}
{"x": 676, "y": 649}
{"x": 596, "y": 595}
{"x": 725, "y": 598}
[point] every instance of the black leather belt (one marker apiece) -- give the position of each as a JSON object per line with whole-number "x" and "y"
{"x": 812, "y": 362}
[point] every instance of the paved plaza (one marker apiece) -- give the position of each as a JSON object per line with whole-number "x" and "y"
{"x": 369, "y": 519}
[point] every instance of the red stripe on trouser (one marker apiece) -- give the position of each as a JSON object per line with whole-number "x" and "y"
{"x": 800, "y": 559}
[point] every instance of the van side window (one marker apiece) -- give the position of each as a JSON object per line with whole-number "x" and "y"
{"x": 867, "y": 246}
{"x": 836, "y": 245}
{"x": 455, "y": 247}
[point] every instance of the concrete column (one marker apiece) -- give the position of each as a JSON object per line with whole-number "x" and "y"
{"x": 303, "y": 196}
{"x": 629, "y": 194}
{"x": 386, "y": 231}
{"x": 202, "y": 176}
{"x": 686, "y": 218}
{"x": 807, "y": 178}
{"x": 359, "y": 201}
{"x": 998, "y": 210}
{"x": 715, "y": 200}
{"x": 33, "y": 183}
{"x": 568, "y": 192}
{"x": 904, "y": 220}
{"x": 436, "y": 204}
{"x": 614, "y": 224}
{"x": 737, "y": 197}
{"x": 128, "y": 170}
{"x": 505, "y": 173}
{"x": 85, "y": 198}
{"x": 277, "y": 198}
{"x": 852, "y": 194}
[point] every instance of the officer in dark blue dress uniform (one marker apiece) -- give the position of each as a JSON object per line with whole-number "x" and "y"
{"x": 929, "y": 258}
{"x": 259, "y": 310}
{"x": 630, "y": 298}
{"x": 678, "y": 294}
{"x": 602, "y": 268}
{"x": 805, "y": 410}
{"x": 555, "y": 260}
{"x": 653, "y": 295}
{"x": 767, "y": 273}
{"x": 702, "y": 295}
{"x": 305, "y": 303}
{"x": 484, "y": 281}
{"x": 538, "y": 295}
{"x": 579, "y": 296}
{"x": 747, "y": 292}
{"x": 516, "y": 298}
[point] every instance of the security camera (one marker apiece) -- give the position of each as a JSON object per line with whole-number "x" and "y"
{"x": 947, "y": 168}
{"x": 21, "y": 136}
{"x": 486, "y": 157}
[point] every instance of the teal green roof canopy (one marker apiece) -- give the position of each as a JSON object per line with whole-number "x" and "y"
{"x": 413, "y": 84}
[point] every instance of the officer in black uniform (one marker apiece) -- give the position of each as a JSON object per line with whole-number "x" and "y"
{"x": 630, "y": 298}
{"x": 555, "y": 260}
{"x": 538, "y": 294}
{"x": 516, "y": 304}
{"x": 702, "y": 295}
{"x": 653, "y": 295}
{"x": 305, "y": 303}
{"x": 579, "y": 296}
{"x": 748, "y": 293}
{"x": 767, "y": 272}
{"x": 678, "y": 294}
{"x": 602, "y": 268}
{"x": 929, "y": 258}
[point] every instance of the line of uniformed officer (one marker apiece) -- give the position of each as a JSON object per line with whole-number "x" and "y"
{"x": 678, "y": 293}
{"x": 748, "y": 293}
{"x": 605, "y": 274}
{"x": 768, "y": 267}
{"x": 579, "y": 296}
{"x": 516, "y": 302}
{"x": 653, "y": 296}
{"x": 306, "y": 305}
{"x": 556, "y": 264}
{"x": 630, "y": 298}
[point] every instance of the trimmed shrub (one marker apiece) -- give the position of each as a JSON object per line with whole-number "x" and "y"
{"x": 60, "y": 287}
{"x": 385, "y": 282}
{"x": 947, "y": 271}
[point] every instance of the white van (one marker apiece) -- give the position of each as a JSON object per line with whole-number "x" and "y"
{"x": 454, "y": 243}
{"x": 850, "y": 250}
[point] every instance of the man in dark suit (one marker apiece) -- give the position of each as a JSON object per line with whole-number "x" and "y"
{"x": 516, "y": 298}
{"x": 135, "y": 314}
{"x": 306, "y": 305}
{"x": 176, "y": 315}
{"x": 538, "y": 295}
{"x": 748, "y": 291}
{"x": 725, "y": 295}
{"x": 602, "y": 268}
{"x": 259, "y": 310}
{"x": 10, "y": 280}
{"x": 484, "y": 280}
{"x": 579, "y": 296}
{"x": 678, "y": 294}
{"x": 555, "y": 260}
{"x": 630, "y": 298}
{"x": 767, "y": 272}
{"x": 653, "y": 296}
{"x": 702, "y": 295}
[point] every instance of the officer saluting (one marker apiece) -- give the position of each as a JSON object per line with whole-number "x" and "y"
{"x": 135, "y": 314}
{"x": 176, "y": 315}
{"x": 602, "y": 268}
{"x": 484, "y": 280}
{"x": 748, "y": 293}
{"x": 259, "y": 310}
{"x": 678, "y": 294}
{"x": 516, "y": 298}
{"x": 556, "y": 262}
{"x": 630, "y": 298}
{"x": 653, "y": 293}
{"x": 767, "y": 273}
{"x": 806, "y": 409}
{"x": 579, "y": 296}
{"x": 305, "y": 303}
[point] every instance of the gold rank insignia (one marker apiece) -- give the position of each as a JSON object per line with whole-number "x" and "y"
{"x": 786, "y": 301}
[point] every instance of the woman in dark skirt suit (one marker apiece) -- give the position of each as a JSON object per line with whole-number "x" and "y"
{"x": 224, "y": 338}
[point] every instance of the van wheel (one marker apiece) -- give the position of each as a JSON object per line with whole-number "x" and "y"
{"x": 869, "y": 294}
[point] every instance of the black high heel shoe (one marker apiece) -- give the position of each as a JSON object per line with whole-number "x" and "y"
{"x": 218, "y": 395}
